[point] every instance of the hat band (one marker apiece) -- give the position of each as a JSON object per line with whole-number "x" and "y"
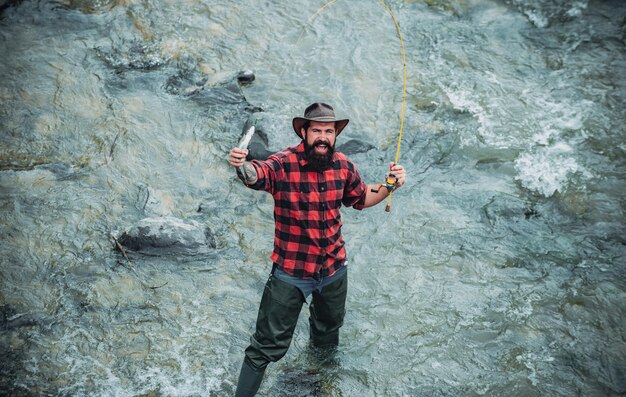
{"x": 320, "y": 118}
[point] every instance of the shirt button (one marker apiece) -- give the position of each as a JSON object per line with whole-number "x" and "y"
{"x": 323, "y": 188}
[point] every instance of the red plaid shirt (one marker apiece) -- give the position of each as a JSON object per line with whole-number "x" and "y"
{"x": 307, "y": 238}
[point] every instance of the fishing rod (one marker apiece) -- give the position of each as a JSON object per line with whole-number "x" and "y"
{"x": 395, "y": 21}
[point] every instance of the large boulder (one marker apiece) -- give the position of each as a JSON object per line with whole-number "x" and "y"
{"x": 168, "y": 235}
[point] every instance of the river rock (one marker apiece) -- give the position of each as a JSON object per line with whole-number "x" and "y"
{"x": 168, "y": 234}
{"x": 354, "y": 146}
{"x": 245, "y": 77}
{"x": 227, "y": 92}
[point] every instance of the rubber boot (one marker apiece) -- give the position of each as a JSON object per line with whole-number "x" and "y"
{"x": 249, "y": 380}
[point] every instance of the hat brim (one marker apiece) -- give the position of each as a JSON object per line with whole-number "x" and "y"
{"x": 298, "y": 123}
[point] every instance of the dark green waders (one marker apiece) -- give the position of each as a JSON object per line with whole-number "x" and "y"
{"x": 327, "y": 310}
{"x": 277, "y": 318}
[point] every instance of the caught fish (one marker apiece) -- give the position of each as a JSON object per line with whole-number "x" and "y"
{"x": 246, "y": 138}
{"x": 243, "y": 144}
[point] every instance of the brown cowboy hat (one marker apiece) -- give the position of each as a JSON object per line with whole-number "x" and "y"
{"x": 319, "y": 112}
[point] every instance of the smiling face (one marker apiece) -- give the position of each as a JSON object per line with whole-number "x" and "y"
{"x": 319, "y": 143}
{"x": 320, "y": 136}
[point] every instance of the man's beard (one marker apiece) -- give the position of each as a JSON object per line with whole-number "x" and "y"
{"x": 319, "y": 162}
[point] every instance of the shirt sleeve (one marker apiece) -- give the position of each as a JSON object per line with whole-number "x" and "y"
{"x": 267, "y": 171}
{"x": 355, "y": 189}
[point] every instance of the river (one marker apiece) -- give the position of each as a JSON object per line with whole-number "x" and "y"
{"x": 499, "y": 270}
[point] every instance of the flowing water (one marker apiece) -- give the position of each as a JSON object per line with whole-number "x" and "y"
{"x": 499, "y": 271}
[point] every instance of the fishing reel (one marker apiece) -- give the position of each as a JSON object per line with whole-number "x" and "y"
{"x": 390, "y": 183}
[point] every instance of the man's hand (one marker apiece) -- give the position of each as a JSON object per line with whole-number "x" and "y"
{"x": 237, "y": 157}
{"x": 245, "y": 170}
{"x": 375, "y": 193}
{"x": 399, "y": 172}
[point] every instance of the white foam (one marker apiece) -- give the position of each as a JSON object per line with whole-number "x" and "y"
{"x": 577, "y": 9}
{"x": 185, "y": 383}
{"x": 547, "y": 170}
{"x": 464, "y": 101}
{"x": 537, "y": 364}
{"x": 537, "y": 18}
{"x": 499, "y": 122}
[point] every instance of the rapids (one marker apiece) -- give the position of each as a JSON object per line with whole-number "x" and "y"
{"x": 499, "y": 271}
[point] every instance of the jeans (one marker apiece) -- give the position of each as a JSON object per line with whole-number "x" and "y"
{"x": 308, "y": 286}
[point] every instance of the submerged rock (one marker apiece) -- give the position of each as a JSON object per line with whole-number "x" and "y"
{"x": 168, "y": 234}
{"x": 190, "y": 81}
{"x": 354, "y": 146}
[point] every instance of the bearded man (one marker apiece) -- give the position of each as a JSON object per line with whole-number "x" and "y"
{"x": 309, "y": 183}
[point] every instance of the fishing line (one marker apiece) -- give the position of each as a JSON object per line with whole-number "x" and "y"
{"x": 399, "y": 32}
